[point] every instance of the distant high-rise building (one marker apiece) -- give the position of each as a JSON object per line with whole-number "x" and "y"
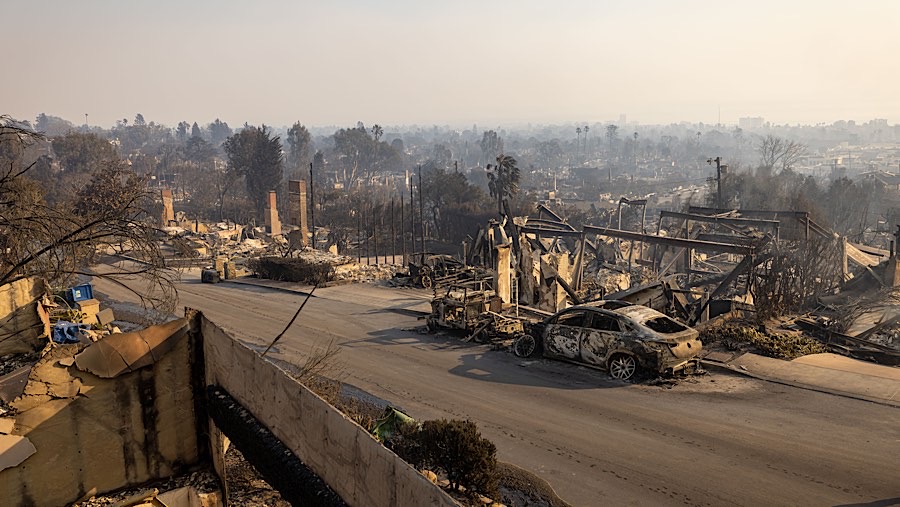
{"x": 622, "y": 120}
{"x": 751, "y": 122}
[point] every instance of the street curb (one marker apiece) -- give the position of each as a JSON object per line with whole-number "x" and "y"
{"x": 730, "y": 369}
{"x": 271, "y": 287}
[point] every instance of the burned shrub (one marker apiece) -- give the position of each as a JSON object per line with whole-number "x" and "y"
{"x": 779, "y": 345}
{"x": 793, "y": 276}
{"x": 453, "y": 447}
{"x": 291, "y": 270}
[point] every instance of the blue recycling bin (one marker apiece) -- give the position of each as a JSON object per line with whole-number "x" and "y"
{"x": 80, "y": 293}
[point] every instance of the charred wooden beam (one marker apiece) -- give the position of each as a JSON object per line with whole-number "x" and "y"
{"x": 729, "y": 238}
{"x": 551, "y": 224}
{"x": 649, "y": 238}
{"x": 695, "y": 217}
{"x": 566, "y": 287}
{"x": 542, "y": 208}
{"x": 749, "y": 213}
{"x": 675, "y": 242}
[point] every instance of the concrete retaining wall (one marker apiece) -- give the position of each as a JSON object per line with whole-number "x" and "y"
{"x": 361, "y": 470}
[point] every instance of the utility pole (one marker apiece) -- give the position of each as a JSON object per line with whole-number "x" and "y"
{"x": 422, "y": 214}
{"x": 412, "y": 219}
{"x": 358, "y": 236}
{"x": 719, "y": 167}
{"x": 393, "y": 237}
{"x": 366, "y": 227}
{"x": 402, "y": 230}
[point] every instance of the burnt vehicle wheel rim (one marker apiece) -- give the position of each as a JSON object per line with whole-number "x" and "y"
{"x": 524, "y": 345}
{"x": 622, "y": 367}
{"x": 426, "y": 281}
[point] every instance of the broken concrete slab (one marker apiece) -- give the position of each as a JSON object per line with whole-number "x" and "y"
{"x": 7, "y": 424}
{"x": 188, "y": 496}
{"x": 12, "y": 385}
{"x": 90, "y": 308}
{"x": 124, "y": 352}
{"x": 14, "y": 450}
{"x": 105, "y": 440}
{"x": 106, "y": 316}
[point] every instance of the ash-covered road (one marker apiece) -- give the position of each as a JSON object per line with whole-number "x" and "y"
{"x": 713, "y": 440}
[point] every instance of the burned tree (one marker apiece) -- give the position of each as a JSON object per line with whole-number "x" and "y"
{"x": 778, "y": 153}
{"x": 112, "y": 214}
{"x": 794, "y": 274}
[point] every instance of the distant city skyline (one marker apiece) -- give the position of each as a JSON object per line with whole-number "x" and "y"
{"x": 459, "y": 63}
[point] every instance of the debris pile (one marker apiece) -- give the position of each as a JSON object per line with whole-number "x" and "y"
{"x": 202, "y": 487}
{"x": 292, "y": 269}
{"x": 100, "y": 384}
{"x": 309, "y": 266}
{"x": 743, "y": 336}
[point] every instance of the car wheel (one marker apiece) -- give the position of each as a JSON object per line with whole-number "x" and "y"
{"x": 524, "y": 345}
{"x": 622, "y": 367}
{"x": 427, "y": 282}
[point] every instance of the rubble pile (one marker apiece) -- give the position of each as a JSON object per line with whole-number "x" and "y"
{"x": 786, "y": 345}
{"x": 607, "y": 281}
{"x": 202, "y": 484}
{"x": 291, "y": 269}
{"x": 366, "y": 272}
{"x": 887, "y": 337}
{"x": 308, "y": 266}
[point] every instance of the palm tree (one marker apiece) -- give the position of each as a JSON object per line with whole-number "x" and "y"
{"x": 577, "y": 138}
{"x": 377, "y": 131}
{"x": 586, "y": 130}
{"x": 503, "y": 179}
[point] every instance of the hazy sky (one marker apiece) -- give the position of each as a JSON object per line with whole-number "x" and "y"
{"x": 452, "y": 62}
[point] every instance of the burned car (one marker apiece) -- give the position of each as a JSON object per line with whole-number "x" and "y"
{"x": 619, "y": 337}
{"x": 433, "y": 269}
{"x": 462, "y": 306}
{"x": 474, "y": 308}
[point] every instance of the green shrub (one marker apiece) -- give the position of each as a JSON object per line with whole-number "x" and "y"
{"x": 453, "y": 447}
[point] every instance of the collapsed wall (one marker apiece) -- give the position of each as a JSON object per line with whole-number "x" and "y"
{"x": 23, "y": 318}
{"x": 117, "y": 413}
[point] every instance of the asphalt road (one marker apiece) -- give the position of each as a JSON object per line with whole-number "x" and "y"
{"x": 712, "y": 440}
